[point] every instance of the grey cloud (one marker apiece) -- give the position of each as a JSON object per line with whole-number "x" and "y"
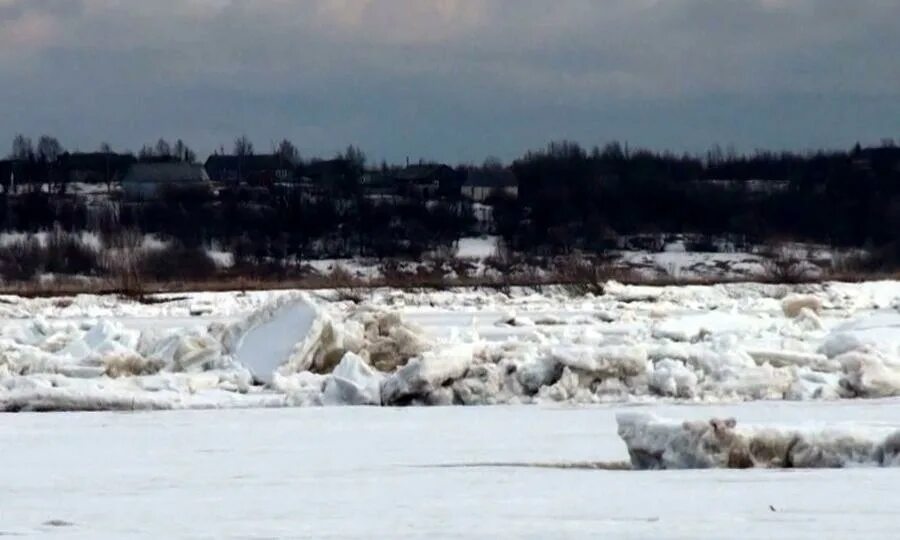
{"x": 453, "y": 81}
{"x": 13, "y": 10}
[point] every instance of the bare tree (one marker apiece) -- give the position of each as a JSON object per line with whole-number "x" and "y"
{"x": 492, "y": 163}
{"x": 184, "y": 153}
{"x": 355, "y": 156}
{"x": 22, "y": 148}
{"x": 106, "y": 150}
{"x": 49, "y": 149}
{"x": 288, "y": 152}
{"x": 48, "y": 152}
{"x": 147, "y": 152}
{"x": 243, "y": 146}
{"x": 163, "y": 149}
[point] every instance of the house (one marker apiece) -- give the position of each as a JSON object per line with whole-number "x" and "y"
{"x": 481, "y": 184}
{"x": 428, "y": 181}
{"x": 152, "y": 180}
{"x": 95, "y": 167}
{"x": 259, "y": 170}
{"x": 380, "y": 187}
{"x": 329, "y": 172}
{"x": 332, "y": 176}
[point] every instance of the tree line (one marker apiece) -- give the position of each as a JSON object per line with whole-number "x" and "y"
{"x": 569, "y": 199}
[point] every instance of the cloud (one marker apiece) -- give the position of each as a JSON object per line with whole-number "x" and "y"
{"x": 453, "y": 79}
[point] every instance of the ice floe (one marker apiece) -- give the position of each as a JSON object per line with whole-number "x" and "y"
{"x": 735, "y": 342}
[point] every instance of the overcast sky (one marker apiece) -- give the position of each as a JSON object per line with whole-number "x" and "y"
{"x": 453, "y": 80}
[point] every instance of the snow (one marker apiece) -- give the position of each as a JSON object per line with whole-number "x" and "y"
{"x": 477, "y": 247}
{"x": 415, "y": 474}
{"x": 567, "y": 375}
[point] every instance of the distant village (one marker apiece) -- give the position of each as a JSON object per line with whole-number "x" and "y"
{"x": 559, "y": 200}
{"x": 149, "y": 177}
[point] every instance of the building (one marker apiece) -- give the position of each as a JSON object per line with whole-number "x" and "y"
{"x": 330, "y": 173}
{"x": 95, "y": 167}
{"x": 428, "y": 181}
{"x": 482, "y": 184}
{"x": 259, "y": 170}
{"x": 152, "y": 180}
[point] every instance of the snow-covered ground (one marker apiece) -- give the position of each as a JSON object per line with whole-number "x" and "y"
{"x": 627, "y": 380}
{"x": 736, "y": 342}
{"x": 414, "y": 474}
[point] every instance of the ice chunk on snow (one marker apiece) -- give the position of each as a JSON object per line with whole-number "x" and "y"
{"x": 611, "y": 361}
{"x": 696, "y": 327}
{"x": 782, "y": 359}
{"x": 353, "y": 382}
{"x": 655, "y": 443}
{"x": 673, "y": 379}
{"x": 880, "y": 331}
{"x": 422, "y": 376}
{"x": 538, "y": 372}
{"x": 793, "y": 305}
{"x": 483, "y": 385}
{"x": 304, "y": 389}
{"x": 271, "y": 336}
{"x": 839, "y": 343}
{"x": 868, "y": 375}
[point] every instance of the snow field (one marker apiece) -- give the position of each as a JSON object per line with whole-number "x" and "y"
{"x": 415, "y": 474}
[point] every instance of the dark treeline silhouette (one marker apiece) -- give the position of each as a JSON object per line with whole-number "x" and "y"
{"x": 279, "y": 206}
{"x": 570, "y": 198}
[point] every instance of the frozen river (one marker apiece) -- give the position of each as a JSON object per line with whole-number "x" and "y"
{"x": 382, "y": 473}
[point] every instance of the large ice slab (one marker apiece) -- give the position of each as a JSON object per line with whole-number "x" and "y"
{"x": 273, "y": 335}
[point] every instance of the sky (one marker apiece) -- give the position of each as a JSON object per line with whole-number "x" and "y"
{"x": 451, "y": 80}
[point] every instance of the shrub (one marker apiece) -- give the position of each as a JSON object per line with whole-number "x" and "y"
{"x": 177, "y": 263}
{"x": 781, "y": 266}
{"x": 22, "y": 260}
{"x": 67, "y": 254}
{"x": 702, "y": 244}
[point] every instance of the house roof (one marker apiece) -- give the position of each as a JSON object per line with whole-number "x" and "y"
{"x": 418, "y": 173}
{"x": 95, "y": 160}
{"x": 255, "y": 162}
{"x": 501, "y": 178}
{"x": 330, "y": 167}
{"x": 165, "y": 173}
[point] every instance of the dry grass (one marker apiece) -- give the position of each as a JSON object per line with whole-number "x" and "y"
{"x": 577, "y": 279}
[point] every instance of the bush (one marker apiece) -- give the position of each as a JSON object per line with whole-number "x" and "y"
{"x": 581, "y": 276}
{"x": 177, "y": 263}
{"x": 781, "y": 266}
{"x": 22, "y": 260}
{"x": 880, "y": 259}
{"x": 67, "y": 254}
{"x": 702, "y": 244}
{"x": 63, "y": 253}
